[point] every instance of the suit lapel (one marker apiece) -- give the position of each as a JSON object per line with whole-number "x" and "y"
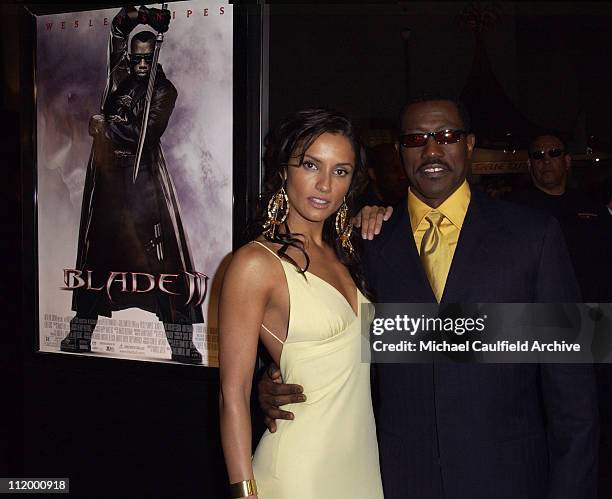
{"x": 478, "y": 231}
{"x": 400, "y": 254}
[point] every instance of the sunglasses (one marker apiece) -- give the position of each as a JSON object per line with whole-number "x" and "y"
{"x": 420, "y": 139}
{"x": 136, "y": 58}
{"x": 552, "y": 153}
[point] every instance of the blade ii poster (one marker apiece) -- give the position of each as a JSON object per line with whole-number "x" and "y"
{"x": 134, "y": 166}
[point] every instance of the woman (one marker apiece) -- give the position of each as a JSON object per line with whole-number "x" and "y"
{"x": 298, "y": 289}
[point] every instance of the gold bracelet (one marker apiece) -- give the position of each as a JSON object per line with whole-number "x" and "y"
{"x": 245, "y": 488}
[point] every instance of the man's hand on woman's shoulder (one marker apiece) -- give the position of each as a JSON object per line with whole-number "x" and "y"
{"x": 370, "y": 219}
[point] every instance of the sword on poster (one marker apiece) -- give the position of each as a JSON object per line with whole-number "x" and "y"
{"x": 145, "y": 117}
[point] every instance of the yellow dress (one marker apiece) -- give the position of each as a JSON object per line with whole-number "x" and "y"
{"x": 329, "y": 451}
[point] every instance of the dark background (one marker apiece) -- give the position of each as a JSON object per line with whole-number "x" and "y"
{"x": 131, "y": 429}
{"x": 552, "y": 59}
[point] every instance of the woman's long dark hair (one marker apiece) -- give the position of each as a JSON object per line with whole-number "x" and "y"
{"x": 289, "y": 141}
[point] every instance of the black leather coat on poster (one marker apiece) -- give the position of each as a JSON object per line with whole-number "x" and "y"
{"x": 127, "y": 226}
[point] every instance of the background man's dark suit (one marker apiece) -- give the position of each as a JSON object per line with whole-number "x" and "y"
{"x": 483, "y": 431}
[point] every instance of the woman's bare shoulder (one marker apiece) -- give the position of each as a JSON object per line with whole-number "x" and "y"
{"x": 252, "y": 262}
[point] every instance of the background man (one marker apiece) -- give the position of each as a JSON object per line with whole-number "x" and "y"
{"x": 549, "y": 164}
{"x": 388, "y": 182}
{"x": 126, "y": 225}
{"x": 467, "y": 430}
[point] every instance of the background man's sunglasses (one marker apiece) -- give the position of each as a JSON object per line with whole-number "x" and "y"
{"x": 552, "y": 153}
{"x": 441, "y": 137}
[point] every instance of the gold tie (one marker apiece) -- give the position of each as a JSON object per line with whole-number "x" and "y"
{"x": 435, "y": 254}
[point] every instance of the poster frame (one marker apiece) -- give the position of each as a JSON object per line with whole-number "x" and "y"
{"x": 249, "y": 119}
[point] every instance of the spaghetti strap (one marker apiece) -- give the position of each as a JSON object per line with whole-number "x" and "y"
{"x": 279, "y": 258}
{"x": 273, "y": 335}
{"x": 267, "y": 249}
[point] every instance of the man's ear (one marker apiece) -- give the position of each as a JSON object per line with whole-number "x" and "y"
{"x": 372, "y": 174}
{"x": 399, "y": 153}
{"x": 470, "y": 142}
{"x": 568, "y": 161}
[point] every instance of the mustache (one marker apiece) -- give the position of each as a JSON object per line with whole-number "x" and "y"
{"x": 432, "y": 161}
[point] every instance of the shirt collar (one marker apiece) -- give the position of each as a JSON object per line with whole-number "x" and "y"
{"x": 454, "y": 207}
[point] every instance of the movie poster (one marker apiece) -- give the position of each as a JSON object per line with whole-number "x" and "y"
{"x": 134, "y": 179}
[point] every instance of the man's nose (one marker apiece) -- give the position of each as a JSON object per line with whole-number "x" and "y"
{"x": 432, "y": 148}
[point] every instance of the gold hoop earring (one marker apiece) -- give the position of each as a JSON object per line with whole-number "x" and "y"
{"x": 278, "y": 209}
{"x": 344, "y": 228}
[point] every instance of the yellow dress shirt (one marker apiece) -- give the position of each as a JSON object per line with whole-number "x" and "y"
{"x": 454, "y": 210}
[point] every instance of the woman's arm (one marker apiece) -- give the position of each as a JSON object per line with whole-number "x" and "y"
{"x": 246, "y": 290}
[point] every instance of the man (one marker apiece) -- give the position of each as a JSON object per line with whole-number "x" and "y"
{"x": 388, "y": 182}
{"x": 549, "y": 164}
{"x": 133, "y": 225}
{"x": 457, "y": 431}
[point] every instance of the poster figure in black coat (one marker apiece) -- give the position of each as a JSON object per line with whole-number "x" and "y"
{"x": 132, "y": 249}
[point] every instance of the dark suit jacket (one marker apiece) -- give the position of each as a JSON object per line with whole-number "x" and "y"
{"x": 588, "y": 241}
{"x": 496, "y": 431}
